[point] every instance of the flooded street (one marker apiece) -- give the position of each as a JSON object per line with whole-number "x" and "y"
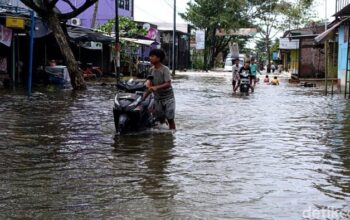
{"x": 281, "y": 153}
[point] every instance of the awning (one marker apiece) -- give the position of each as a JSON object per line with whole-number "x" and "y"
{"x": 328, "y": 33}
{"x": 343, "y": 12}
{"x": 80, "y": 34}
{"x": 140, "y": 41}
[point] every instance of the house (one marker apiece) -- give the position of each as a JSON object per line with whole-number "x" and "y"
{"x": 336, "y": 39}
{"x": 300, "y": 55}
{"x": 182, "y": 44}
{"x": 105, "y": 11}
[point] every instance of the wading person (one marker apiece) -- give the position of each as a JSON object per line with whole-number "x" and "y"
{"x": 267, "y": 79}
{"x": 253, "y": 70}
{"x": 159, "y": 83}
{"x": 235, "y": 74}
{"x": 275, "y": 81}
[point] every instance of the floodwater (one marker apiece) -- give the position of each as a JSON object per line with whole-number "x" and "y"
{"x": 281, "y": 153}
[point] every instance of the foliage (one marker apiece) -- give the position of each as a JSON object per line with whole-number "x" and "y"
{"x": 211, "y": 15}
{"x": 270, "y": 16}
{"x": 279, "y": 15}
{"x": 128, "y": 27}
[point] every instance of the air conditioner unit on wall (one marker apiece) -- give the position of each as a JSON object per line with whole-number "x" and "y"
{"x": 75, "y": 21}
{"x": 92, "y": 45}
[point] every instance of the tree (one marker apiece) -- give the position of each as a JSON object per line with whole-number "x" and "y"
{"x": 94, "y": 15}
{"x": 211, "y": 15}
{"x": 127, "y": 27}
{"x": 49, "y": 13}
{"x": 279, "y": 15}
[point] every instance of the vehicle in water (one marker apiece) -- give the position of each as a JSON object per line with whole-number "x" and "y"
{"x": 130, "y": 112}
{"x": 245, "y": 83}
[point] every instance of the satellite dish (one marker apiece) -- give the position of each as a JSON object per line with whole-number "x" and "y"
{"x": 146, "y": 26}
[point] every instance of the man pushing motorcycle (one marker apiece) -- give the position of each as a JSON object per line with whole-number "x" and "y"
{"x": 159, "y": 83}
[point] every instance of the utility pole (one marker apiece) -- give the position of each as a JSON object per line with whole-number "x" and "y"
{"x": 117, "y": 40}
{"x": 325, "y": 15}
{"x": 174, "y": 39}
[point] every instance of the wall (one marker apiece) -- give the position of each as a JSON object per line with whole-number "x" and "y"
{"x": 312, "y": 59}
{"x": 342, "y": 56}
{"x": 106, "y": 11}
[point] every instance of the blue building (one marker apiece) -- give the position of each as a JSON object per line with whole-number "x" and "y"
{"x": 338, "y": 33}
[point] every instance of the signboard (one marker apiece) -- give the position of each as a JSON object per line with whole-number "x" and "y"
{"x": 5, "y": 36}
{"x": 152, "y": 33}
{"x": 275, "y": 56}
{"x": 239, "y": 32}
{"x": 200, "y": 40}
{"x": 289, "y": 44}
{"x": 15, "y": 22}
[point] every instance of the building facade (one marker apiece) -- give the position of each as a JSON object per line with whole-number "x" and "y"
{"x": 300, "y": 56}
{"x": 105, "y": 11}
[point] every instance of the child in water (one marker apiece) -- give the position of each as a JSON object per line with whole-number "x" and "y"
{"x": 275, "y": 81}
{"x": 267, "y": 79}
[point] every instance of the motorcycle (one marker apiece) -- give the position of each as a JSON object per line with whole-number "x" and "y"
{"x": 130, "y": 111}
{"x": 245, "y": 83}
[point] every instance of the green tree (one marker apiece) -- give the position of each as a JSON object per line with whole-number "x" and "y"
{"x": 127, "y": 27}
{"x": 211, "y": 15}
{"x": 279, "y": 15}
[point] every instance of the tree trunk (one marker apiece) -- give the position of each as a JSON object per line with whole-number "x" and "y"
{"x": 94, "y": 15}
{"x": 206, "y": 51}
{"x": 212, "y": 48}
{"x": 76, "y": 76}
{"x": 268, "y": 51}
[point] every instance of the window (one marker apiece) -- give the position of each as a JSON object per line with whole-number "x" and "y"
{"x": 121, "y": 4}
{"x": 127, "y": 5}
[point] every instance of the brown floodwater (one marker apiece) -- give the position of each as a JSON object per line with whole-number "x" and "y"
{"x": 281, "y": 153}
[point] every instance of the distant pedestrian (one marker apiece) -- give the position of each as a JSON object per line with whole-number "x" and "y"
{"x": 235, "y": 74}
{"x": 253, "y": 71}
{"x": 273, "y": 68}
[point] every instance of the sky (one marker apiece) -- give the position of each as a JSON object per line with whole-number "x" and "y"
{"x": 162, "y": 10}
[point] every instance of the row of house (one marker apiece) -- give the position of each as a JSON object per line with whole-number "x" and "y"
{"x": 320, "y": 51}
{"x": 89, "y": 46}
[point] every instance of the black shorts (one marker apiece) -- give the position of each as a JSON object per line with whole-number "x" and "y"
{"x": 252, "y": 77}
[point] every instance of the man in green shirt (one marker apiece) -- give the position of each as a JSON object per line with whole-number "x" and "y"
{"x": 254, "y": 70}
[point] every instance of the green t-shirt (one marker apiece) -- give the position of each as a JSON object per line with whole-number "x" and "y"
{"x": 253, "y": 69}
{"x": 161, "y": 76}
